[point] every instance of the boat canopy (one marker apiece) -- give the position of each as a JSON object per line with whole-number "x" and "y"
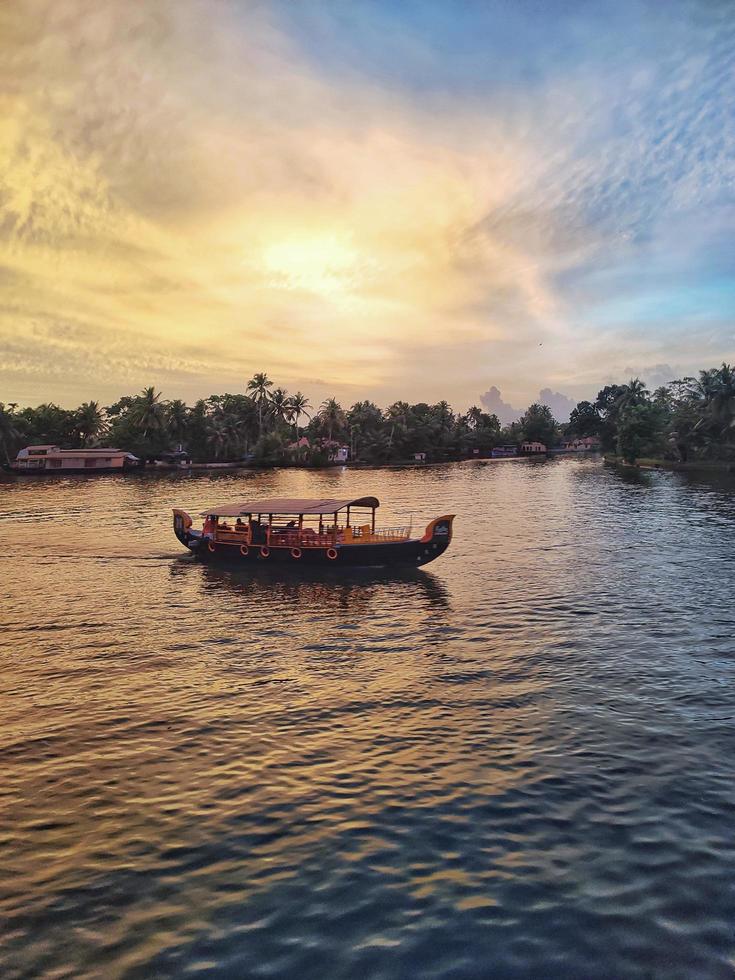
{"x": 289, "y": 505}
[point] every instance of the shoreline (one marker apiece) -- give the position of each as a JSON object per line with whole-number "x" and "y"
{"x": 650, "y": 463}
{"x": 201, "y": 468}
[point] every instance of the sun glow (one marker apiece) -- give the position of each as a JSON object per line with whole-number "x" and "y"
{"x": 325, "y": 265}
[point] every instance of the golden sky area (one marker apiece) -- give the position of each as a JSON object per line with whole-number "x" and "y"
{"x": 190, "y": 192}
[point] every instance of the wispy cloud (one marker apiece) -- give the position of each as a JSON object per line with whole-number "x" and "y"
{"x": 192, "y": 191}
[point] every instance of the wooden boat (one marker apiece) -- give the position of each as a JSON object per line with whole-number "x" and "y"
{"x": 297, "y": 531}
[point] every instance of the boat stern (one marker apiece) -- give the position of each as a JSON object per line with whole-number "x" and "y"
{"x": 182, "y": 529}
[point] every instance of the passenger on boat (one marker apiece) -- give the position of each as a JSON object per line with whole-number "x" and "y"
{"x": 240, "y": 525}
{"x": 291, "y": 526}
{"x": 209, "y": 524}
{"x": 258, "y": 535}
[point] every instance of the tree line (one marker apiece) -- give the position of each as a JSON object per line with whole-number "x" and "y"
{"x": 687, "y": 419}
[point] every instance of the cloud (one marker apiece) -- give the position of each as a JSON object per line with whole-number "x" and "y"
{"x": 493, "y": 402}
{"x": 192, "y": 191}
{"x": 559, "y": 404}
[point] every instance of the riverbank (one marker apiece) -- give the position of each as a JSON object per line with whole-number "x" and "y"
{"x": 648, "y": 463}
{"x": 223, "y": 468}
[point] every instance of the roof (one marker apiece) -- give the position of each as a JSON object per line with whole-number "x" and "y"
{"x": 290, "y": 505}
{"x": 89, "y": 452}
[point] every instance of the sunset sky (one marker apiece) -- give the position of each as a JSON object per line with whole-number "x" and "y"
{"x": 369, "y": 199}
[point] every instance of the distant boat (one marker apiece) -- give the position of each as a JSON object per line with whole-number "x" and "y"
{"x": 309, "y": 531}
{"x": 52, "y": 461}
{"x": 501, "y": 451}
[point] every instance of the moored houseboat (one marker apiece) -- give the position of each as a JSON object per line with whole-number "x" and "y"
{"x": 309, "y": 531}
{"x": 532, "y": 447}
{"x": 45, "y": 460}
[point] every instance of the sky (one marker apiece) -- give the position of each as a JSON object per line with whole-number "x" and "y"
{"x": 383, "y": 199}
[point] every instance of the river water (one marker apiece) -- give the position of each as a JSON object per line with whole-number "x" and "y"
{"x": 519, "y": 762}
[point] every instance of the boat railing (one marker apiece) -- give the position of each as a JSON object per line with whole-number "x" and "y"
{"x": 366, "y": 535}
{"x": 311, "y": 538}
{"x": 399, "y": 533}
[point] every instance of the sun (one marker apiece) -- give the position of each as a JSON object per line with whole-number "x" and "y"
{"x": 326, "y": 265}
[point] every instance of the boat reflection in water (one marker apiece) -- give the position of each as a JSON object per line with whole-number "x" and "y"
{"x": 325, "y": 589}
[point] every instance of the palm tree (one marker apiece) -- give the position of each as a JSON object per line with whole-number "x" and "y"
{"x": 474, "y": 417}
{"x": 722, "y": 403}
{"x": 9, "y": 429}
{"x": 177, "y": 419}
{"x": 90, "y": 422}
{"x": 148, "y": 412}
{"x": 280, "y": 405}
{"x": 259, "y": 385}
{"x": 298, "y": 406}
{"x": 217, "y": 434}
{"x": 631, "y": 395}
{"x": 331, "y": 416}
{"x": 399, "y": 416}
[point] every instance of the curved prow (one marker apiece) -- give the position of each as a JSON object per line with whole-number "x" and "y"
{"x": 182, "y": 523}
{"x": 440, "y": 529}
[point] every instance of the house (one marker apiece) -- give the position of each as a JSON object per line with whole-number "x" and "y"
{"x": 336, "y": 452}
{"x": 53, "y": 459}
{"x": 581, "y": 445}
{"x": 531, "y": 448}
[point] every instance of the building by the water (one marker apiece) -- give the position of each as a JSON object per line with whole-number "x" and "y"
{"x": 53, "y": 459}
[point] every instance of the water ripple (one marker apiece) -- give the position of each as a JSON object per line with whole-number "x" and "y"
{"x": 518, "y": 762}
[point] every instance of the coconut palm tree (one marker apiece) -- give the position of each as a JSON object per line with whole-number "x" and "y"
{"x": 217, "y": 435}
{"x": 279, "y": 405}
{"x": 299, "y": 405}
{"x": 90, "y": 422}
{"x": 331, "y": 416}
{"x": 474, "y": 417}
{"x": 10, "y": 428}
{"x": 631, "y": 395}
{"x": 177, "y": 419}
{"x": 722, "y": 402}
{"x": 259, "y": 385}
{"x": 148, "y": 413}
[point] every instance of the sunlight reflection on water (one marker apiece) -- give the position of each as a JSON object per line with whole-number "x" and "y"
{"x": 515, "y": 762}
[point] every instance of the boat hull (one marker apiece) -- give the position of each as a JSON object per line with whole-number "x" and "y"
{"x": 412, "y": 553}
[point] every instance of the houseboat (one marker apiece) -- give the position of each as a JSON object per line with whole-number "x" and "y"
{"x": 43, "y": 460}
{"x": 306, "y": 531}
{"x": 533, "y": 448}
{"x": 588, "y": 444}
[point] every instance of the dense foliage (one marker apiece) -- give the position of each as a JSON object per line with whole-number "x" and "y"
{"x": 693, "y": 418}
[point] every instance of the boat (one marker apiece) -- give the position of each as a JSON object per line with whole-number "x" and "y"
{"x": 309, "y": 531}
{"x": 45, "y": 460}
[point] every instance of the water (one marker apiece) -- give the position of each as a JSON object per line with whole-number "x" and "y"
{"x": 518, "y": 762}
